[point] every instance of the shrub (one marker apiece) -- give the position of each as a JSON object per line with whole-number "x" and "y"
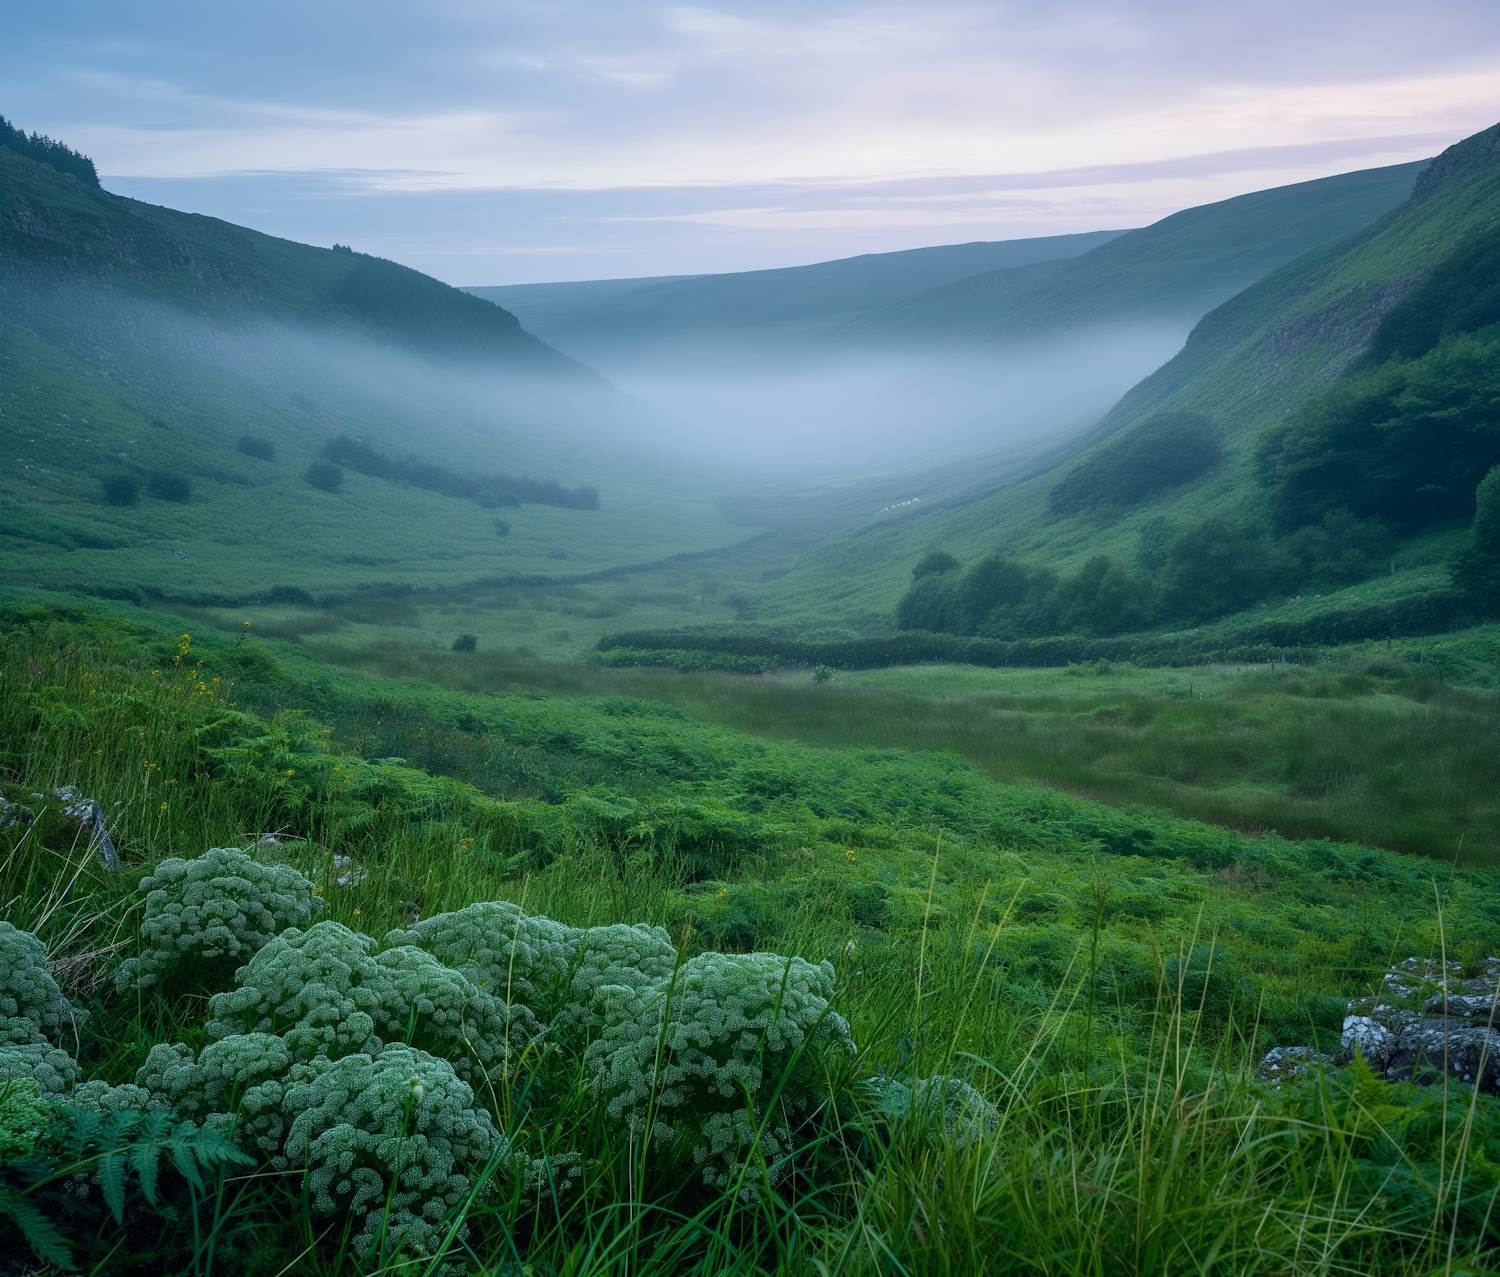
{"x": 257, "y": 447}
{"x": 613, "y": 958}
{"x": 930, "y": 605}
{"x": 325, "y": 995}
{"x": 164, "y": 485}
{"x": 822, "y": 674}
{"x": 1476, "y": 566}
{"x": 934, "y": 563}
{"x": 951, "y": 1110}
{"x": 1213, "y": 568}
{"x": 1408, "y": 442}
{"x": 692, "y": 1058}
{"x": 1341, "y": 549}
{"x": 214, "y": 911}
{"x": 466, "y": 642}
{"x": 502, "y": 528}
{"x": 503, "y": 951}
{"x": 393, "y": 1122}
{"x": 33, "y": 1010}
{"x": 325, "y": 476}
{"x": 51, "y": 1069}
{"x": 121, "y": 489}
{"x": 1163, "y": 451}
{"x": 24, "y": 1115}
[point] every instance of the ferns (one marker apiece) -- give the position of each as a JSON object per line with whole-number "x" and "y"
{"x": 111, "y": 1149}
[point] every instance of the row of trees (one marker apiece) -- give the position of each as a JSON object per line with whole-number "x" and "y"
{"x": 487, "y": 490}
{"x": 45, "y": 151}
{"x": 1186, "y": 574}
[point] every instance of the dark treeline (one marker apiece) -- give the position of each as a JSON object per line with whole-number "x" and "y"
{"x": 1184, "y": 574}
{"x": 45, "y": 151}
{"x": 1414, "y": 425}
{"x": 1164, "y": 451}
{"x": 488, "y": 490}
{"x": 1296, "y": 641}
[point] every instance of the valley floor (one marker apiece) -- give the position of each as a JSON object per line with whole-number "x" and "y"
{"x": 1090, "y": 986}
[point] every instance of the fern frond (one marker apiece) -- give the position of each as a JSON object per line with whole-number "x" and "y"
{"x": 41, "y": 1234}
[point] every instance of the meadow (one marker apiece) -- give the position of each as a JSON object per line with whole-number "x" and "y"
{"x": 1093, "y": 985}
{"x": 1363, "y": 747}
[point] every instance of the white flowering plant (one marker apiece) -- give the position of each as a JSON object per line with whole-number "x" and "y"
{"x": 214, "y": 911}
{"x": 728, "y": 1053}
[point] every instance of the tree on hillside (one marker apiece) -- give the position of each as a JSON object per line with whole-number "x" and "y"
{"x": 1407, "y": 442}
{"x": 45, "y": 151}
{"x": 1476, "y": 567}
{"x": 325, "y": 476}
{"x": 1163, "y": 451}
{"x": 1214, "y": 568}
{"x": 987, "y": 583}
{"x": 934, "y": 561}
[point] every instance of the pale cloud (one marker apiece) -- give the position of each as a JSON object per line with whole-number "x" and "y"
{"x": 748, "y": 120}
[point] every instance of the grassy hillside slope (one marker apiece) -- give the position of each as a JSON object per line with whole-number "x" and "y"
{"x": 1184, "y": 265}
{"x": 612, "y": 326}
{"x": 201, "y": 369}
{"x": 1245, "y": 365}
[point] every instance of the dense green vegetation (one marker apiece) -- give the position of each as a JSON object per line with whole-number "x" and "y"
{"x": 1407, "y": 441}
{"x": 46, "y": 151}
{"x": 1103, "y": 980}
{"x": 1350, "y": 384}
{"x": 486, "y": 490}
{"x": 169, "y": 379}
{"x": 1161, "y": 452}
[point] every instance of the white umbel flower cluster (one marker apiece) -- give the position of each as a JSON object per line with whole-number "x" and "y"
{"x": 394, "y": 1122}
{"x": 215, "y": 910}
{"x": 33, "y": 1009}
{"x": 556, "y": 971}
{"x": 325, "y": 994}
{"x": 700, "y": 1053}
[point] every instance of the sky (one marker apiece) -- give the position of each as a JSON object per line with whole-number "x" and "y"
{"x": 518, "y": 141}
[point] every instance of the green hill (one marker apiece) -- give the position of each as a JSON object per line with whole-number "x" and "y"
{"x": 1315, "y": 511}
{"x": 1179, "y": 268}
{"x": 172, "y": 381}
{"x": 998, "y": 347}
{"x": 738, "y": 319}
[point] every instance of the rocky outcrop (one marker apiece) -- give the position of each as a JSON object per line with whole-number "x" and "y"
{"x": 1455, "y": 1034}
{"x": 1426, "y": 1024}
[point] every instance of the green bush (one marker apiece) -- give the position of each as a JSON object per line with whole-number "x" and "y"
{"x": 1162, "y": 451}
{"x": 33, "y": 1009}
{"x": 1407, "y": 442}
{"x": 466, "y": 642}
{"x": 1476, "y": 567}
{"x": 121, "y": 489}
{"x": 255, "y": 446}
{"x": 165, "y": 485}
{"x": 214, "y": 913}
{"x": 325, "y": 476}
{"x": 325, "y": 995}
{"x": 725, "y": 1055}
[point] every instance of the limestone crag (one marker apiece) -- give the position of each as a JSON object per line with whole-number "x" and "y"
{"x": 1426, "y": 1024}
{"x": 1453, "y": 1035}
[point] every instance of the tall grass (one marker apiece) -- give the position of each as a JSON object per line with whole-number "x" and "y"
{"x": 1326, "y": 753}
{"x": 1123, "y": 1143}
